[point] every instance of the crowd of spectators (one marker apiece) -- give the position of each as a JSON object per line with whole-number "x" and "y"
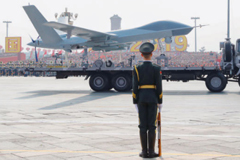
{"x": 119, "y": 58}
{"x": 175, "y": 59}
{"x": 192, "y": 59}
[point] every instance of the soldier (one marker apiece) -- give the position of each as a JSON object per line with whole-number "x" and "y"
{"x": 1, "y": 72}
{"x": 147, "y": 97}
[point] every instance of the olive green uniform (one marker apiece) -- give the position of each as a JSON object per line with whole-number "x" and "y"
{"x": 147, "y": 93}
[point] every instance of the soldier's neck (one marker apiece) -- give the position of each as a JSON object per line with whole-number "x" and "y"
{"x": 147, "y": 59}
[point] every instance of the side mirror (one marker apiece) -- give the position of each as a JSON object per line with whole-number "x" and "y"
{"x": 221, "y": 45}
{"x": 238, "y": 46}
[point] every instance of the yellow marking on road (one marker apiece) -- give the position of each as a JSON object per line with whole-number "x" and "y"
{"x": 108, "y": 152}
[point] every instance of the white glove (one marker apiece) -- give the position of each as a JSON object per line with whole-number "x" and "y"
{"x": 136, "y": 107}
{"x": 160, "y": 107}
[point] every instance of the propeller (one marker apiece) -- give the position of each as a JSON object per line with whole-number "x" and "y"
{"x": 200, "y": 26}
{"x": 35, "y": 42}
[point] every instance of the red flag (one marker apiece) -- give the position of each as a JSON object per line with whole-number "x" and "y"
{"x": 45, "y": 52}
{"x": 32, "y": 52}
{"x": 38, "y": 52}
{"x": 60, "y": 51}
{"x": 53, "y": 52}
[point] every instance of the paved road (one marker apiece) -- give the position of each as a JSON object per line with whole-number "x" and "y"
{"x": 45, "y": 118}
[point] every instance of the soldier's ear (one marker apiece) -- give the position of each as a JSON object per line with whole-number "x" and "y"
{"x": 141, "y": 54}
{"x": 151, "y": 55}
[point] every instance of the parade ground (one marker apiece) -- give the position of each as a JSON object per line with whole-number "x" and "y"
{"x": 45, "y": 118}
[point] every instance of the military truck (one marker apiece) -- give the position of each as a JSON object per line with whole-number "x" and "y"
{"x": 104, "y": 76}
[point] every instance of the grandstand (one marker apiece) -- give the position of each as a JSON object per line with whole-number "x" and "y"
{"x": 175, "y": 59}
{"x": 119, "y": 58}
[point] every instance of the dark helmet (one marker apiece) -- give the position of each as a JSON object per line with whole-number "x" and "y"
{"x": 146, "y": 48}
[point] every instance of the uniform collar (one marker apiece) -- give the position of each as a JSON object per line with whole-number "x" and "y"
{"x": 147, "y": 61}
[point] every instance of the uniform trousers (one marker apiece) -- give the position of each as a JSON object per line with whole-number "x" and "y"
{"x": 147, "y": 117}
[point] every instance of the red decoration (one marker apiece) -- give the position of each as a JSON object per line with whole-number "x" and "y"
{"x": 45, "y": 52}
{"x": 38, "y": 52}
{"x": 31, "y": 53}
{"x": 53, "y": 52}
{"x": 60, "y": 52}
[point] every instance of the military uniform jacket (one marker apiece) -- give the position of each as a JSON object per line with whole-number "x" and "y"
{"x": 147, "y": 73}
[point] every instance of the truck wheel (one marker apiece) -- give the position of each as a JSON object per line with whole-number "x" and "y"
{"x": 216, "y": 82}
{"x": 99, "y": 82}
{"x": 121, "y": 82}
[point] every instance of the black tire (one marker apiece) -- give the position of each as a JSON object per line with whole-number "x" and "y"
{"x": 109, "y": 84}
{"x": 216, "y": 82}
{"x": 121, "y": 82}
{"x": 99, "y": 82}
{"x": 109, "y": 87}
{"x": 227, "y": 54}
{"x": 239, "y": 81}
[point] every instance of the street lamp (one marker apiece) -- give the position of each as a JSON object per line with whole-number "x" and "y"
{"x": 195, "y": 19}
{"x": 7, "y": 26}
{"x": 68, "y": 15}
{"x": 228, "y": 24}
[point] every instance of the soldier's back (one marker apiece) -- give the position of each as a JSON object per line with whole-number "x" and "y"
{"x": 147, "y": 71}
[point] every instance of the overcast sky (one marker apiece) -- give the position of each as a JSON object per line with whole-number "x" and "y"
{"x": 95, "y": 14}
